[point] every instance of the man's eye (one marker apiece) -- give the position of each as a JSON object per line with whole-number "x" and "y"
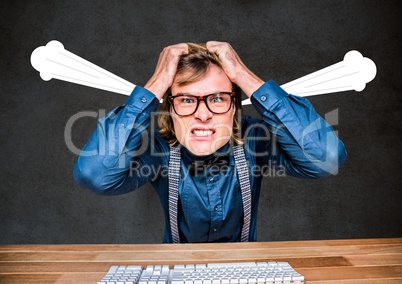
{"x": 216, "y": 99}
{"x": 185, "y": 100}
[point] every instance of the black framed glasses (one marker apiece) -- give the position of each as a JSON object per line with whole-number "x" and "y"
{"x": 187, "y": 104}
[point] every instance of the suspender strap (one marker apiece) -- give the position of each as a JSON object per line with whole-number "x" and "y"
{"x": 242, "y": 175}
{"x": 173, "y": 181}
{"x": 244, "y": 180}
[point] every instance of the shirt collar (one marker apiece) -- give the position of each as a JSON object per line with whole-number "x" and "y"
{"x": 189, "y": 157}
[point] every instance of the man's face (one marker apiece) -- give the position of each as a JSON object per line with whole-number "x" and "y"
{"x": 204, "y": 132}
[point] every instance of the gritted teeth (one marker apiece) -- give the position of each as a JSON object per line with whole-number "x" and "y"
{"x": 202, "y": 132}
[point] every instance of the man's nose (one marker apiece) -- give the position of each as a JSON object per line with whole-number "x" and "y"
{"x": 203, "y": 113}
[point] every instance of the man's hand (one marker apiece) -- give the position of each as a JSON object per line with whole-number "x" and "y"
{"x": 234, "y": 68}
{"x": 165, "y": 70}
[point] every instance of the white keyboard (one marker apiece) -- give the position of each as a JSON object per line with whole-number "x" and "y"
{"x": 212, "y": 273}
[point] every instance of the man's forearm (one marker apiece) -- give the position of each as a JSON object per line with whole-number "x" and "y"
{"x": 105, "y": 159}
{"x": 311, "y": 146}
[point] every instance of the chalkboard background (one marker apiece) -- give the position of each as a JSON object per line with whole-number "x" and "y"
{"x": 280, "y": 40}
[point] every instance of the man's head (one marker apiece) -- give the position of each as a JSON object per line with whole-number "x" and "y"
{"x": 202, "y": 124}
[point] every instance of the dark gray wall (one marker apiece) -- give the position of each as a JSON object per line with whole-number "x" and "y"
{"x": 280, "y": 40}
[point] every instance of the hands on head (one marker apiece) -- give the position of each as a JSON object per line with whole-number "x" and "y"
{"x": 191, "y": 72}
{"x": 232, "y": 65}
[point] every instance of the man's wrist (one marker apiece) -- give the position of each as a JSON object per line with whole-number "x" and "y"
{"x": 248, "y": 82}
{"x": 156, "y": 87}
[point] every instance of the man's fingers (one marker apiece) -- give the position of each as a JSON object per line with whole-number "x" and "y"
{"x": 234, "y": 67}
{"x": 211, "y": 45}
{"x": 170, "y": 56}
{"x": 176, "y": 50}
{"x": 221, "y": 48}
{"x": 216, "y": 45}
{"x": 166, "y": 69}
{"x": 228, "y": 57}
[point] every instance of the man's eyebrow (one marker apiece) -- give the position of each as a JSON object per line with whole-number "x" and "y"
{"x": 190, "y": 94}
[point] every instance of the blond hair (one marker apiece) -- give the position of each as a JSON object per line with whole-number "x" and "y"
{"x": 192, "y": 68}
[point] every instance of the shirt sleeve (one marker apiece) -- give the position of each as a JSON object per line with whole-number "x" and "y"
{"x": 306, "y": 145}
{"x": 103, "y": 165}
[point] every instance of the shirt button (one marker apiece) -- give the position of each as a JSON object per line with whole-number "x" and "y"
{"x": 144, "y": 100}
{"x": 263, "y": 98}
{"x": 216, "y": 208}
{"x": 214, "y": 229}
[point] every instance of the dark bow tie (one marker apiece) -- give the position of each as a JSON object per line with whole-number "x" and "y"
{"x": 216, "y": 164}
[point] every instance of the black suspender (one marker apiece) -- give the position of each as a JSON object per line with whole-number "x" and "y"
{"x": 174, "y": 176}
{"x": 242, "y": 175}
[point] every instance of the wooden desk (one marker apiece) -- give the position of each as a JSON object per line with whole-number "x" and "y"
{"x": 335, "y": 261}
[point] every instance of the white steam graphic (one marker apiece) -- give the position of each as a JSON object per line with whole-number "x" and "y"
{"x": 53, "y": 61}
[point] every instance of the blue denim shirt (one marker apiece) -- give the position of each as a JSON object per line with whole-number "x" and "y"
{"x": 124, "y": 153}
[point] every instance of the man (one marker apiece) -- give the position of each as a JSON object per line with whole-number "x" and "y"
{"x": 206, "y": 166}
